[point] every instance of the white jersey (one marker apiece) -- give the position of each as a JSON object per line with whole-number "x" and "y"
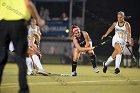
{"x": 120, "y": 35}
{"x": 120, "y": 31}
{"x": 32, "y": 30}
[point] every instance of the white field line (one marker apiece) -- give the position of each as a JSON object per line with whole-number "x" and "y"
{"x": 72, "y": 82}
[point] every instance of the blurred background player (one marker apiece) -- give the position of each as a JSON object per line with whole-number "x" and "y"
{"x": 13, "y": 28}
{"x": 34, "y": 29}
{"x": 122, "y": 35}
{"x": 139, "y": 53}
{"x": 127, "y": 55}
{"x": 82, "y": 43}
{"x": 34, "y": 55}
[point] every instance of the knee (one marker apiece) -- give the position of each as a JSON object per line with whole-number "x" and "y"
{"x": 93, "y": 57}
{"x": 75, "y": 60}
{"x": 119, "y": 51}
{"x": 91, "y": 52}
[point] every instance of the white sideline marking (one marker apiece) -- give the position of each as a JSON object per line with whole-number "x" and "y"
{"x": 73, "y": 82}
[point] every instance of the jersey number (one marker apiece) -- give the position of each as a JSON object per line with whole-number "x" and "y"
{"x": 120, "y": 34}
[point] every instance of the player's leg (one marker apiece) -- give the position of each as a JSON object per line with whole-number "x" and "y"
{"x": 125, "y": 60}
{"x": 118, "y": 57}
{"x": 3, "y": 60}
{"x": 29, "y": 64}
{"x": 129, "y": 57}
{"x": 129, "y": 61}
{"x": 93, "y": 60}
{"x": 76, "y": 55}
{"x": 109, "y": 60}
{"x": 38, "y": 64}
{"x": 4, "y": 44}
{"x": 19, "y": 37}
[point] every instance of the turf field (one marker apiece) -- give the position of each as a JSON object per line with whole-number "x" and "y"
{"x": 87, "y": 81}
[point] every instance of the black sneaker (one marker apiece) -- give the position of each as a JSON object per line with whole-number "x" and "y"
{"x": 117, "y": 70}
{"x": 74, "y": 74}
{"x": 104, "y": 67}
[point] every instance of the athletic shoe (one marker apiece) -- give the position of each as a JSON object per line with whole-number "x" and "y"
{"x": 104, "y": 67}
{"x": 117, "y": 70}
{"x": 42, "y": 73}
{"x": 96, "y": 70}
{"x": 74, "y": 74}
{"x": 31, "y": 73}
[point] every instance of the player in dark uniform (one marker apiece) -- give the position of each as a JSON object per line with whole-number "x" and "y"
{"x": 82, "y": 43}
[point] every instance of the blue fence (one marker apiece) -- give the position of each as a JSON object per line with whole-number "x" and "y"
{"x": 57, "y": 28}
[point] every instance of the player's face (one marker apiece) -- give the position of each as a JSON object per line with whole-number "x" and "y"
{"x": 77, "y": 33}
{"x": 33, "y": 23}
{"x": 120, "y": 18}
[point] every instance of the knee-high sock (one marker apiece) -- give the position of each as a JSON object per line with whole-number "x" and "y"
{"x": 74, "y": 66}
{"x": 129, "y": 62}
{"x": 29, "y": 64}
{"x": 109, "y": 60}
{"x": 118, "y": 60}
{"x": 36, "y": 60}
{"x": 125, "y": 62}
{"x": 93, "y": 61}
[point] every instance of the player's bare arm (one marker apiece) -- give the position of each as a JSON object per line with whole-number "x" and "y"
{"x": 79, "y": 47}
{"x": 109, "y": 30}
{"x": 87, "y": 39}
{"x": 32, "y": 9}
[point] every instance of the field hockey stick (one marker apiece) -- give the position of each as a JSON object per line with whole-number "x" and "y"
{"x": 134, "y": 58}
{"x": 104, "y": 42}
{"x": 53, "y": 74}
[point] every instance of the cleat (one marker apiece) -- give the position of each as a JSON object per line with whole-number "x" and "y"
{"x": 96, "y": 70}
{"x": 43, "y": 73}
{"x": 31, "y": 73}
{"x": 104, "y": 67}
{"x": 117, "y": 70}
{"x": 74, "y": 74}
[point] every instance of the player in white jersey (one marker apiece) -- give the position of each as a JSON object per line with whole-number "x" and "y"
{"x": 34, "y": 55}
{"x": 122, "y": 35}
{"x": 34, "y": 29}
{"x": 127, "y": 55}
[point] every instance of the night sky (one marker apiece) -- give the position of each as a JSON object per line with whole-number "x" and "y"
{"x": 106, "y": 13}
{"x": 107, "y": 9}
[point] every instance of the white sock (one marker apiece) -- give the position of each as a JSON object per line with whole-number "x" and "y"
{"x": 109, "y": 60}
{"x": 29, "y": 64}
{"x": 129, "y": 62}
{"x": 36, "y": 60}
{"x": 118, "y": 60}
{"x": 125, "y": 62}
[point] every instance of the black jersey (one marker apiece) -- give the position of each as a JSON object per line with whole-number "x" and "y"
{"x": 81, "y": 40}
